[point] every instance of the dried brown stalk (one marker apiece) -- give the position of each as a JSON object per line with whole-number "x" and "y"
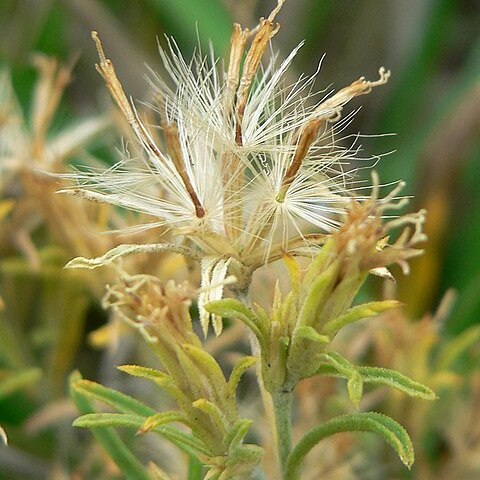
{"x": 173, "y": 144}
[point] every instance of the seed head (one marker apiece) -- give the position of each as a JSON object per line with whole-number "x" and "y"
{"x": 246, "y": 166}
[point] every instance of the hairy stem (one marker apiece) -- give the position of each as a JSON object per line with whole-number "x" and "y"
{"x": 282, "y": 404}
{"x": 267, "y": 400}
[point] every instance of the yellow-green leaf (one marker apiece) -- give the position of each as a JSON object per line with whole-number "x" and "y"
{"x": 359, "y": 312}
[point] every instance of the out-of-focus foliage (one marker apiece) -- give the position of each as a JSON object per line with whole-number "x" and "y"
{"x": 432, "y": 105}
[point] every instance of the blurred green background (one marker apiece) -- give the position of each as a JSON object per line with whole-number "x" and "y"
{"x": 431, "y": 105}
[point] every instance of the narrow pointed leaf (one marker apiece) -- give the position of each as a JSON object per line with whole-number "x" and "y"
{"x": 209, "y": 367}
{"x": 238, "y": 371}
{"x": 359, "y": 312}
{"x": 93, "y": 420}
{"x": 244, "y": 458}
{"x": 349, "y": 371}
{"x": 123, "y": 403}
{"x": 293, "y": 271}
{"x": 144, "y": 372}
{"x": 311, "y": 334}
{"x": 101, "y": 421}
{"x": 162, "y": 418}
{"x": 207, "y": 364}
{"x": 318, "y": 294}
{"x": 213, "y": 412}
{"x": 131, "y": 468}
{"x": 262, "y": 319}
{"x": 337, "y": 366}
{"x": 161, "y": 379}
{"x": 391, "y": 378}
{"x": 340, "y": 363}
{"x": 237, "y": 433}
{"x": 231, "y": 308}
{"x": 392, "y": 432}
{"x": 321, "y": 260}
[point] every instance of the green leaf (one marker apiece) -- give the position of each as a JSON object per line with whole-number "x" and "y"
{"x": 318, "y": 294}
{"x": 347, "y": 370}
{"x": 339, "y": 363}
{"x": 162, "y": 379}
{"x": 123, "y": 403}
{"x": 94, "y": 420}
{"x": 186, "y": 442}
{"x": 392, "y": 432}
{"x": 392, "y": 378}
{"x": 243, "y": 459}
{"x": 319, "y": 264}
{"x": 101, "y": 421}
{"x": 216, "y": 415}
{"x": 207, "y": 365}
{"x": 108, "y": 438}
{"x": 336, "y": 365}
{"x": 238, "y": 372}
{"x": 262, "y": 319}
{"x": 309, "y": 333}
{"x": 111, "y": 441}
{"x": 163, "y": 418}
{"x": 359, "y": 312}
{"x": 237, "y": 433}
{"x": 231, "y": 308}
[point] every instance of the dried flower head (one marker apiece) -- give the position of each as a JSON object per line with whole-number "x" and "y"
{"x": 156, "y": 308}
{"x": 301, "y": 325}
{"x": 246, "y": 164}
{"x": 364, "y": 236}
{"x": 192, "y": 377}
